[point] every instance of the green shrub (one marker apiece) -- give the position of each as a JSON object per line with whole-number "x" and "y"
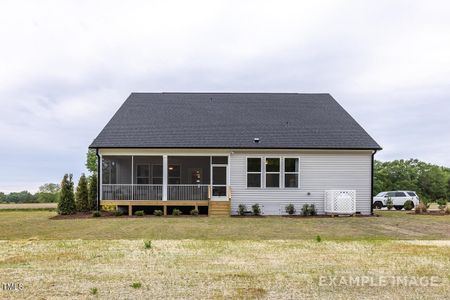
{"x": 389, "y": 203}
{"x": 256, "y": 209}
{"x": 118, "y": 213}
{"x": 441, "y": 203}
{"x": 66, "y": 203}
{"x": 136, "y": 285}
{"x": 158, "y": 212}
{"x": 290, "y": 209}
{"x": 447, "y": 210}
{"x": 148, "y": 244}
{"x": 421, "y": 208}
{"x": 194, "y": 212}
{"x": 94, "y": 291}
{"x": 312, "y": 210}
{"x": 96, "y": 214}
{"x": 242, "y": 208}
{"x": 176, "y": 212}
{"x": 408, "y": 205}
{"x": 318, "y": 239}
{"x": 139, "y": 213}
{"x": 82, "y": 195}
{"x": 305, "y": 209}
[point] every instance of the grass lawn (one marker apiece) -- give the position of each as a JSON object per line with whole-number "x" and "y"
{"x": 216, "y": 258}
{"x": 16, "y": 225}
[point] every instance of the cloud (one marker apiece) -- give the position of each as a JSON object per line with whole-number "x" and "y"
{"x": 67, "y": 66}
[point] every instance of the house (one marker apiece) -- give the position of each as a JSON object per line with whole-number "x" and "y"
{"x": 214, "y": 151}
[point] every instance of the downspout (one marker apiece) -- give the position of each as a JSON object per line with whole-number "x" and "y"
{"x": 371, "y": 183}
{"x": 98, "y": 179}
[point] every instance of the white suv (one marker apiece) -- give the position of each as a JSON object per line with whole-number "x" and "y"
{"x": 398, "y": 199}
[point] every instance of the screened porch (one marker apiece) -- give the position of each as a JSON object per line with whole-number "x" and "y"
{"x": 164, "y": 177}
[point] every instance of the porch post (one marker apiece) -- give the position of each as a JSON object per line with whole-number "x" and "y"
{"x": 165, "y": 180}
{"x": 100, "y": 179}
{"x": 132, "y": 177}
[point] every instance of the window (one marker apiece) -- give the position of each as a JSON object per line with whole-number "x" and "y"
{"x": 109, "y": 171}
{"x": 272, "y": 172}
{"x": 291, "y": 172}
{"x": 412, "y": 194}
{"x": 399, "y": 194}
{"x": 143, "y": 174}
{"x": 253, "y": 172}
{"x": 390, "y": 194}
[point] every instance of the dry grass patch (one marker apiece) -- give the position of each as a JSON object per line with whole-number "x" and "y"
{"x": 218, "y": 269}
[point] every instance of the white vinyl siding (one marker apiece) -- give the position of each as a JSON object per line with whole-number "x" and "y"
{"x": 318, "y": 171}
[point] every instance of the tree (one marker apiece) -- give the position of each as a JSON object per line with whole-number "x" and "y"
{"x": 93, "y": 192}
{"x": 20, "y": 197}
{"x": 51, "y": 188}
{"x": 2, "y": 197}
{"x": 431, "y": 182}
{"x": 81, "y": 196}
{"x": 91, "y": 161}
{"x": 47, "y": 197}
{"x": 66, "y": 204}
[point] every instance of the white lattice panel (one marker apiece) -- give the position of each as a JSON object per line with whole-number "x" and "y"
{"x": 340, "y": 201}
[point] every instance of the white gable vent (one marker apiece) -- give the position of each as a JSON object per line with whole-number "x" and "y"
{"x": 340, "y": 201}
{"x": 256, "y": 140}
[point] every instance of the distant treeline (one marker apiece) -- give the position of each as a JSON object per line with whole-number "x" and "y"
{"x": 431, "y": 182}
{"x": 47, "y": 193}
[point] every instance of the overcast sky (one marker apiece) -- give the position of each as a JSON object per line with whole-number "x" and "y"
{"x": 67, "y": 66}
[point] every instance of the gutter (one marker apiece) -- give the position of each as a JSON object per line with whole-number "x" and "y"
{"x": 98, "y": 179}
{"x": 371, "y": 183}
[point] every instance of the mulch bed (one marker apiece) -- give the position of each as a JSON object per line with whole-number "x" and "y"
{"x": 108, "y": 214}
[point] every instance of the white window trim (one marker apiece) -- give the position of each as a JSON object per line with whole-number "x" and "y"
{"x": 260, "y": 173}
{"x": 293, "y": 173}
{"x": 279, "y": 173}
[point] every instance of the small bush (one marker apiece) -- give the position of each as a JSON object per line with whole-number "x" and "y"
{"x": 441, "y": 203}
{"x": 96, "y": 214}
{"x": 318, "y": 239}
{"x": 148, "y": 244}
{"x": 256, "y": 209}
{"x": 176, "y": 212}
{"x": 425, "y": 201}
{"x": 408, "y": 205}
{"x": 118, "y": 213}
{"x": 158, "y": 212}
{"x": 305, "y": 209}
{"x": 389, "y": 203}
{"x": 242, "y": 208}
{"x": 94, "y": 291}
{"x": 136, "y": 285}
{"x": 194, "y": 212}
{"x": 312, "y": 210}
{"x": 139, "y": 213}
{"x": 421, "y": 208}
{"x": 290, "y": 209}
{"x": 447, "y": 210}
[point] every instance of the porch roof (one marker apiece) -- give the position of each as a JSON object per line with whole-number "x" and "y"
{"x": 233, "y": 120}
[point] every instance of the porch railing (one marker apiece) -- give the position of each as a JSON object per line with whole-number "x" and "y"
{"x": 187, "y": 192}
{"x": 155, "y": 191}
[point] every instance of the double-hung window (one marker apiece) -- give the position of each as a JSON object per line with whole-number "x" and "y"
{"x": 291, "y": 172}
{"x": 272, "y": 172}
{"x": 254, "y": 169}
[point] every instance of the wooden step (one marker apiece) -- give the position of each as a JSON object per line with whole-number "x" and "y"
{"x": 219, "y": 208}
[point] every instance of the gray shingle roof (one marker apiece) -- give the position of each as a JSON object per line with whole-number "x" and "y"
{"x": 233, "y": 120}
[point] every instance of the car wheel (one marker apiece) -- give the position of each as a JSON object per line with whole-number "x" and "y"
{"x": 398, "y": 207}
{"x": 378, "y": 205}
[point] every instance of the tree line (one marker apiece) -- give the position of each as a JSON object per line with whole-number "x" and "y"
{"x": 47, "y": 193}
{"x": 431, "y": 182}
